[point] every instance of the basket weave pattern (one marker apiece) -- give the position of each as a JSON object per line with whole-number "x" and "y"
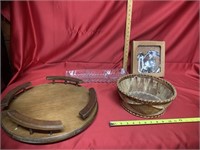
{"x": 144, "y": 95}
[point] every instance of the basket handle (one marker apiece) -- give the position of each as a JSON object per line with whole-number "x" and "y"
{"x": 85, "y": 112}
{"x": 34, "y": 124}
{"x": 69, "y": 80}
{"x": 11, "y": 95}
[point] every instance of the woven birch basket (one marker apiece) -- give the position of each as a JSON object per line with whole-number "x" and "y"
{"x": 144, "y": 95}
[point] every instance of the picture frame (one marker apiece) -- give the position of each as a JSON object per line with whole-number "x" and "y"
{"x": 148, "y": 57}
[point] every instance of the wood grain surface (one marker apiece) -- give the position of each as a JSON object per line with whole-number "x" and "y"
{"x": 50, "y": 102}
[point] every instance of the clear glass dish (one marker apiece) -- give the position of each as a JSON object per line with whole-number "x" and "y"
{"x": 97, "y": 75}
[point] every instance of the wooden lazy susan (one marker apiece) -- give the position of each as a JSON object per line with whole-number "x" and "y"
{"x": 50, "y": 112}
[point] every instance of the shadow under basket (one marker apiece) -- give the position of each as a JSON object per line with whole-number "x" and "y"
{"x": 144, "y": 95}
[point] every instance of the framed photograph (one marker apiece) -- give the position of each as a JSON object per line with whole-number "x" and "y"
{"x": 148, "y": 57}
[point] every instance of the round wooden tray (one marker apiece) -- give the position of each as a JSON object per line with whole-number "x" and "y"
{"x": 49, "y": 112}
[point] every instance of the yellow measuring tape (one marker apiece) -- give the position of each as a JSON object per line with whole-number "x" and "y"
{"x": 127, "y": 33}
{"x": 152, "y": 122}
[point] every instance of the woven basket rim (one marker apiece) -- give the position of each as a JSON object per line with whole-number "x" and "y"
{"x": 141, "y": 100}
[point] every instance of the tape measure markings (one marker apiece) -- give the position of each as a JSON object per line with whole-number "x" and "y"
{"x": 153, "y": 122}
{"x": 127, "y": 33}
